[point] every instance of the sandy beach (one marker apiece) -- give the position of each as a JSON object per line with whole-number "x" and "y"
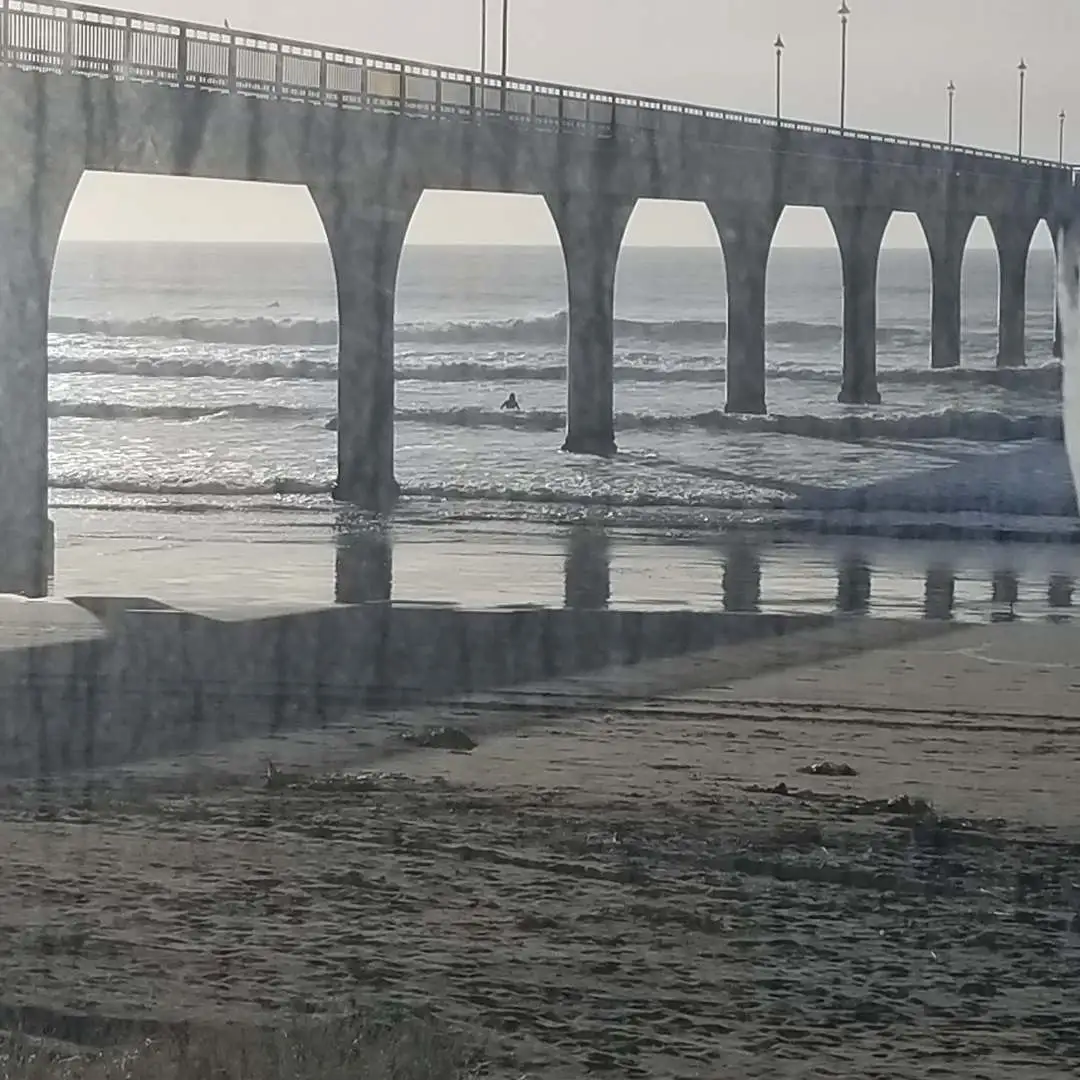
{"x": 630, "y": 875}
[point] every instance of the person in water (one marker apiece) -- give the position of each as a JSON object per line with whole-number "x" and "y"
{"x": 511, "y": 403}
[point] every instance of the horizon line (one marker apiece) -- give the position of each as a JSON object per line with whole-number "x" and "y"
{"x": 480, "y": 245}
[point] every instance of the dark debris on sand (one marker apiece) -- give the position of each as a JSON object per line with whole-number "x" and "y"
{"x": 440, "y": 738}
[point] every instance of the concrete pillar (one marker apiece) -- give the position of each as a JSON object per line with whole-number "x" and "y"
{"x": 946, "y": 237}
{"x": 1013, "y": 238}
{"x": 746, "y": 233}
{"x": 591, "y": 229}
{"x": 364, "y": 564}
{"x": 859, "y": 233}
{"x": 587, "y": 568}
{"x": 1056, "y": 227}
{"x": 742, "y": 577}
{"x": 365, "y": 226}
{"x": 38, "y": 177}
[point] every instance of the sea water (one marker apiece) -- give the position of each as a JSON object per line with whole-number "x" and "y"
{"x": 192, "y": 387}
{"x": 204, "y": 374}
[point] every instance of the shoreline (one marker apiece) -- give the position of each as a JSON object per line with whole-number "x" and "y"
{"x": 321, "y": 557}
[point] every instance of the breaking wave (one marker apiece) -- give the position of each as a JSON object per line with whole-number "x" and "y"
{"x": 984, "y": 426}
{"x": 111, "y": 410}
{"x": 536, "y": 330}
{"x": 630, "y": 367}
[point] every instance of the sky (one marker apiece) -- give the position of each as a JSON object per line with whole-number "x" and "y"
{"x": 902, "y": 54}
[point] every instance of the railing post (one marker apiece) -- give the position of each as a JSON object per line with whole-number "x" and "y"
{"x": 438, "y": 96}
{"x": 5, "y": 30}
{"x": 129, "y": 49}
{"x": 323, "y": 77}
{"x": 181, "y": 57}
{"x": 232, "y": 64}
{"x": 279, "y": 72}
{"x": 68, "y": 57}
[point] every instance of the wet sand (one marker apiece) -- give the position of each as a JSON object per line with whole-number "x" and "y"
{"x": 628, "y": 874}
{"x": 298, "y": 557}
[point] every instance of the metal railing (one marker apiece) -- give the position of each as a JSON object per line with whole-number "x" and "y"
{"x": 81, "y": 39}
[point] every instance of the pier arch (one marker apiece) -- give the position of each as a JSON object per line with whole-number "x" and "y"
{"x": 481, "y": 313}
{"x": 906, "y": 283}
{"x": 671, "y": 326}
{"x": 1039, "y": 296}
{"x": 979, "y": 296}
{"x": 804, "y": 298}
{"x": 193, "y": 343}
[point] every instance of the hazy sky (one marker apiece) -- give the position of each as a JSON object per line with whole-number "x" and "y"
{"x": 902, "y": 53}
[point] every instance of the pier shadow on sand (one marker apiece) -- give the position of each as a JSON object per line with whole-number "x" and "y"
{"x": 131, "y": 680}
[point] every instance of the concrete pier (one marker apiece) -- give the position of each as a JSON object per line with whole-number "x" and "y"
{"x": 367, "y": 135}
{"x": 591, "y": 230}
{"x": 746, "y": 233}
{"x": 859, "y": 233}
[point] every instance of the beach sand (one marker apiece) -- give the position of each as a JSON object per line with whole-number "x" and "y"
{"x": 628, "y": 875}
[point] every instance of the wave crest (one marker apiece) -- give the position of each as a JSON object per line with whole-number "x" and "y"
{"x": 535, "y": 330}
{"x": 630, "y": 368}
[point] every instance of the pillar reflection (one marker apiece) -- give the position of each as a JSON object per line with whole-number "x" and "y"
{"x": 940, "y": 594}
{"x": 587, "y": 567}
{"x": 364, "y": 566}
{"x": 742, "y": 577}
{"x": 853, "y": 586}
{"x": 1005, "y": 591}
{"x": 1059, "y": 596}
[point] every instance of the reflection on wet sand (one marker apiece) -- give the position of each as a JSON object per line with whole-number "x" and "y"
{"x": 853, "y": 582}
{"x": 940, "y": 596}
{"x": 1005, "y": 592}
{"x": 364, "y": 563}
{"x": 752, "y": 577}
{"x": 742, "y": 577}
{"x": 587, "y": 568}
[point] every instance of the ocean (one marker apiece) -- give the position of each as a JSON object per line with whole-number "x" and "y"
{"x": 192, "y": 380}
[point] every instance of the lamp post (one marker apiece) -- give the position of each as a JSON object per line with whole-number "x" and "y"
{"x": 844, "y": 12}
{"x": 951, "y": 89}
{"x": 778, "y": 45}
{"x": 483, "y": 36}
{"x": 1022, "y": 68}
{"x": 505, "y": 34}
{"x": 1061, "y": 137}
